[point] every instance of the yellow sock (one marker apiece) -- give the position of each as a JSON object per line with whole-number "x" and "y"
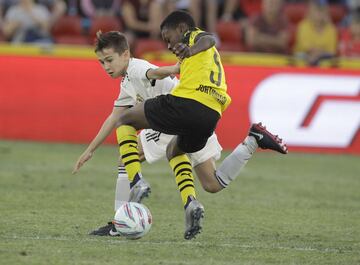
{"x": 127, "y": 140}
{"x": 183, "y": 175}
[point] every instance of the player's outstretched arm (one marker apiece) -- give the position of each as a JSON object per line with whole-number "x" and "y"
{"x": 105, "y": 130}
{"x": 162, "y": 72}
{"x": 202, "y": 43}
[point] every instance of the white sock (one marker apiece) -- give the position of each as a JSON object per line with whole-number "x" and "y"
{"x": 234, "y": 163}
{"x": 122, "y": 188}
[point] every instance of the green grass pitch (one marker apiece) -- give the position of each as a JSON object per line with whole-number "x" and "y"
{"x": 293, "y": 209}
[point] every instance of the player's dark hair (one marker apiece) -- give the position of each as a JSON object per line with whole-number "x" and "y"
{"x": 176, "y": 18}
{"x": 111, "y": 39}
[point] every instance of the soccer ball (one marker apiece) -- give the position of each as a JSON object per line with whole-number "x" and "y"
{"x": 133, "y": 220}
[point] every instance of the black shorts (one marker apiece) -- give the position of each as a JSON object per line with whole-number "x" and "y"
{"x": 190, "y": 120}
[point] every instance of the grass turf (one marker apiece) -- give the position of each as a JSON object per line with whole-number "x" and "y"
{"x": 294, "y": 209}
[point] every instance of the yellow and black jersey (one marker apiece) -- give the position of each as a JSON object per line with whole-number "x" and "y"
{"x": 202, "y": 76}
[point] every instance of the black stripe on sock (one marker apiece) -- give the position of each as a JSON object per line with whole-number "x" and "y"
{"x": 183, "y": 170}
{"x": 221, "y": 182}
{"x": 187, "y": 179}
{"x": 129, "y": 154}
{"x": 187, "y": 185}
{"x": 182, "y": 163}
{"x": 131, "y": 161}
{"x": 128, "y": 142}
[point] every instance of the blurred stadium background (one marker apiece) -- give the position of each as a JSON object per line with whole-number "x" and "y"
{"x": 299, "y": 209}
{"x": 272, "y": 73}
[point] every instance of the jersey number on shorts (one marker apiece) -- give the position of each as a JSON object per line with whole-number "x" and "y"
{"x": 218, "y": 82}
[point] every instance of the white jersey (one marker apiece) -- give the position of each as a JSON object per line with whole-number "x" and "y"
{"x": 136, "y": 87}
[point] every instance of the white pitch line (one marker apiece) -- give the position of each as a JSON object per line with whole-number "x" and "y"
{"x": 180, "y": 243}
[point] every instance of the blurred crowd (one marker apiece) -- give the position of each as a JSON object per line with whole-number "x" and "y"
{"x": 313, "y": 30}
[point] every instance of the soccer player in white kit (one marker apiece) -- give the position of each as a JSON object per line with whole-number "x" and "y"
{"x": 140, "y": 82}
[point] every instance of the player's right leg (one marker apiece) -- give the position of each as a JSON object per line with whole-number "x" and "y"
{"x": 131, "y": 120}
{"x": 192, "y": 123}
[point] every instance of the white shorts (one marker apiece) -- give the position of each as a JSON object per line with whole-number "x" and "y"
{"x": 154, "y": 145}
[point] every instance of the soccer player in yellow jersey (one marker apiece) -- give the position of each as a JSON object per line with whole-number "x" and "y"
{"x": 190, "y": 112}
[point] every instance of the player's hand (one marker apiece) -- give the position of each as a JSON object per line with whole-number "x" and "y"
{"x": 81, "y": 161}
{"x": 181, "y": 50}
{"x": 176, "y": 68}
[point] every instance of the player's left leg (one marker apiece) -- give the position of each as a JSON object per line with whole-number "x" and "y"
{"x": 214, "y": 180}
{"x": 182, "y": 168}
{"x": 232, "y": 165}
{"x": 205, "y": 172}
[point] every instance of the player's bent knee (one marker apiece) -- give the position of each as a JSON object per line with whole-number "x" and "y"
{"x": 212, "y": 187}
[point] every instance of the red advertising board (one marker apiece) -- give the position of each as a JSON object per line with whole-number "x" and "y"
{"x": 313, "y": 110}
{"x": 66, "y": 100}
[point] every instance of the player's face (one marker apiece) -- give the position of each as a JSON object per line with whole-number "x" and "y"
{"x": 172, "y": 36}
{"x": 114, "y": 64}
